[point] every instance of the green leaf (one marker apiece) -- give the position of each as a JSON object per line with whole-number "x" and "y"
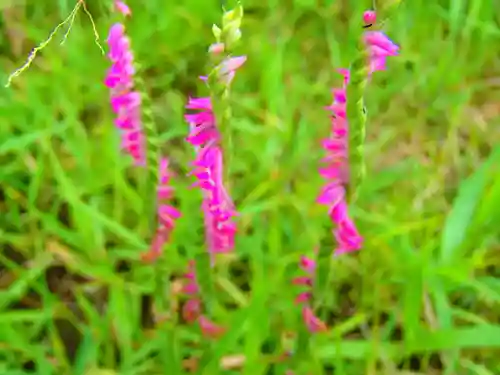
{"x": 488, "y": 214}
{"x": 459, "y": 218}
{"x": 86, "y": 355}
{"x": 170, "y": 350}
{"x": 20, "y": 287}
{"x": 203, "y": 268}
{"x": 485, "y": 336}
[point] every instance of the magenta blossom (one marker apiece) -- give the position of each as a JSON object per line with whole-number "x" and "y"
{"x": 125, "y": 102}
{"x": 122, "y": 8}
{"x": 335, "y": 171}
{"x": 228, "y": 67}
{"x": 379, "y": 47}
{"x": 369, "y": 17}
{"x": 312, "y": 322}
{"x": 167, "y": 214}
{"x": 217, "y": 206}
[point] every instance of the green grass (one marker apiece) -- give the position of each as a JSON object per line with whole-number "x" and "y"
{"x": 422, "y": 297}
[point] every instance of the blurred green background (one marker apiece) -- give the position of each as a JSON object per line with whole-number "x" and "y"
{"x": 422, "y": 297}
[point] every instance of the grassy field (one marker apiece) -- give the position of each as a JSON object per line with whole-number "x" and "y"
{"x": 421, "y": 297}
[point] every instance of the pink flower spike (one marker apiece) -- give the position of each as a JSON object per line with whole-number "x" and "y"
{"x": 217, "y": 206}
{"x": 167, "y": 214}
{"x": 304, "y": 298}
{"x": 192, "y": 310}
{"x": 336, "y": 170}
{"x": 125, "y": 103}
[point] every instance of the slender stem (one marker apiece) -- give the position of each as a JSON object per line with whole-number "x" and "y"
{"x": 356, "y": 117}
{"x": 152, "y": 152}
{"x": 222, "y": 110}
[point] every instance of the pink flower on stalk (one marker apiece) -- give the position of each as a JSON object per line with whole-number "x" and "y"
{"x": 125, "y": 102}
{"x": 336, "y": 171}
{"x": 192, "y": 310}
{"x": 217, "y": 206}
{"x": 312, "y": 322}
{"x": 167, "y": 214}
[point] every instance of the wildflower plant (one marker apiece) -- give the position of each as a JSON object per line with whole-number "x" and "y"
{"x": 145, "y": 291}
{"x": 139, "y": 140}
{"x": 209, "y": 120}
{"x": 209, "y": 134}
{"x": 344, "y": 166}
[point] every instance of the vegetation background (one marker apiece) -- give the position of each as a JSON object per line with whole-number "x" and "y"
{"x": 422, "y": 297}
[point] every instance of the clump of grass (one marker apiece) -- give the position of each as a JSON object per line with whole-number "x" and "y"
{"x": 421, "y": 296}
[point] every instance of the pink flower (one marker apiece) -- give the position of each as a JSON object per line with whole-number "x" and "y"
{"x": 191, "y": 310}
{"x": 379, "y": 48}
{"x": 216, "y": 48}
{"x": 125, "y": 102}
{"x": 210, "y": 329}
{"x": 369, "y": 17}
{"x": 228, "y": 68}
{"x": 313, "y": 323}
{"x": 122, "y": 8}
{"x": 217, "y": 206}
{"x": 167, "y": 214}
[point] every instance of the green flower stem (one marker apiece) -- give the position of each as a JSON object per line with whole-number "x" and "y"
{"x": 355, "y": 108}
{"x": 204, "y": 278}
{"x": 222, "y": 111}
{"x": 227, "y": 38}
{"x": 356, "y": 117}
{"x": 152, "y": 153}
{"x": 151, "y": 183}
{"x": 322, "y": 276}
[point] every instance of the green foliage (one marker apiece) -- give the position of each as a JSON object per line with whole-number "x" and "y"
{"x": 421, "y": 297}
